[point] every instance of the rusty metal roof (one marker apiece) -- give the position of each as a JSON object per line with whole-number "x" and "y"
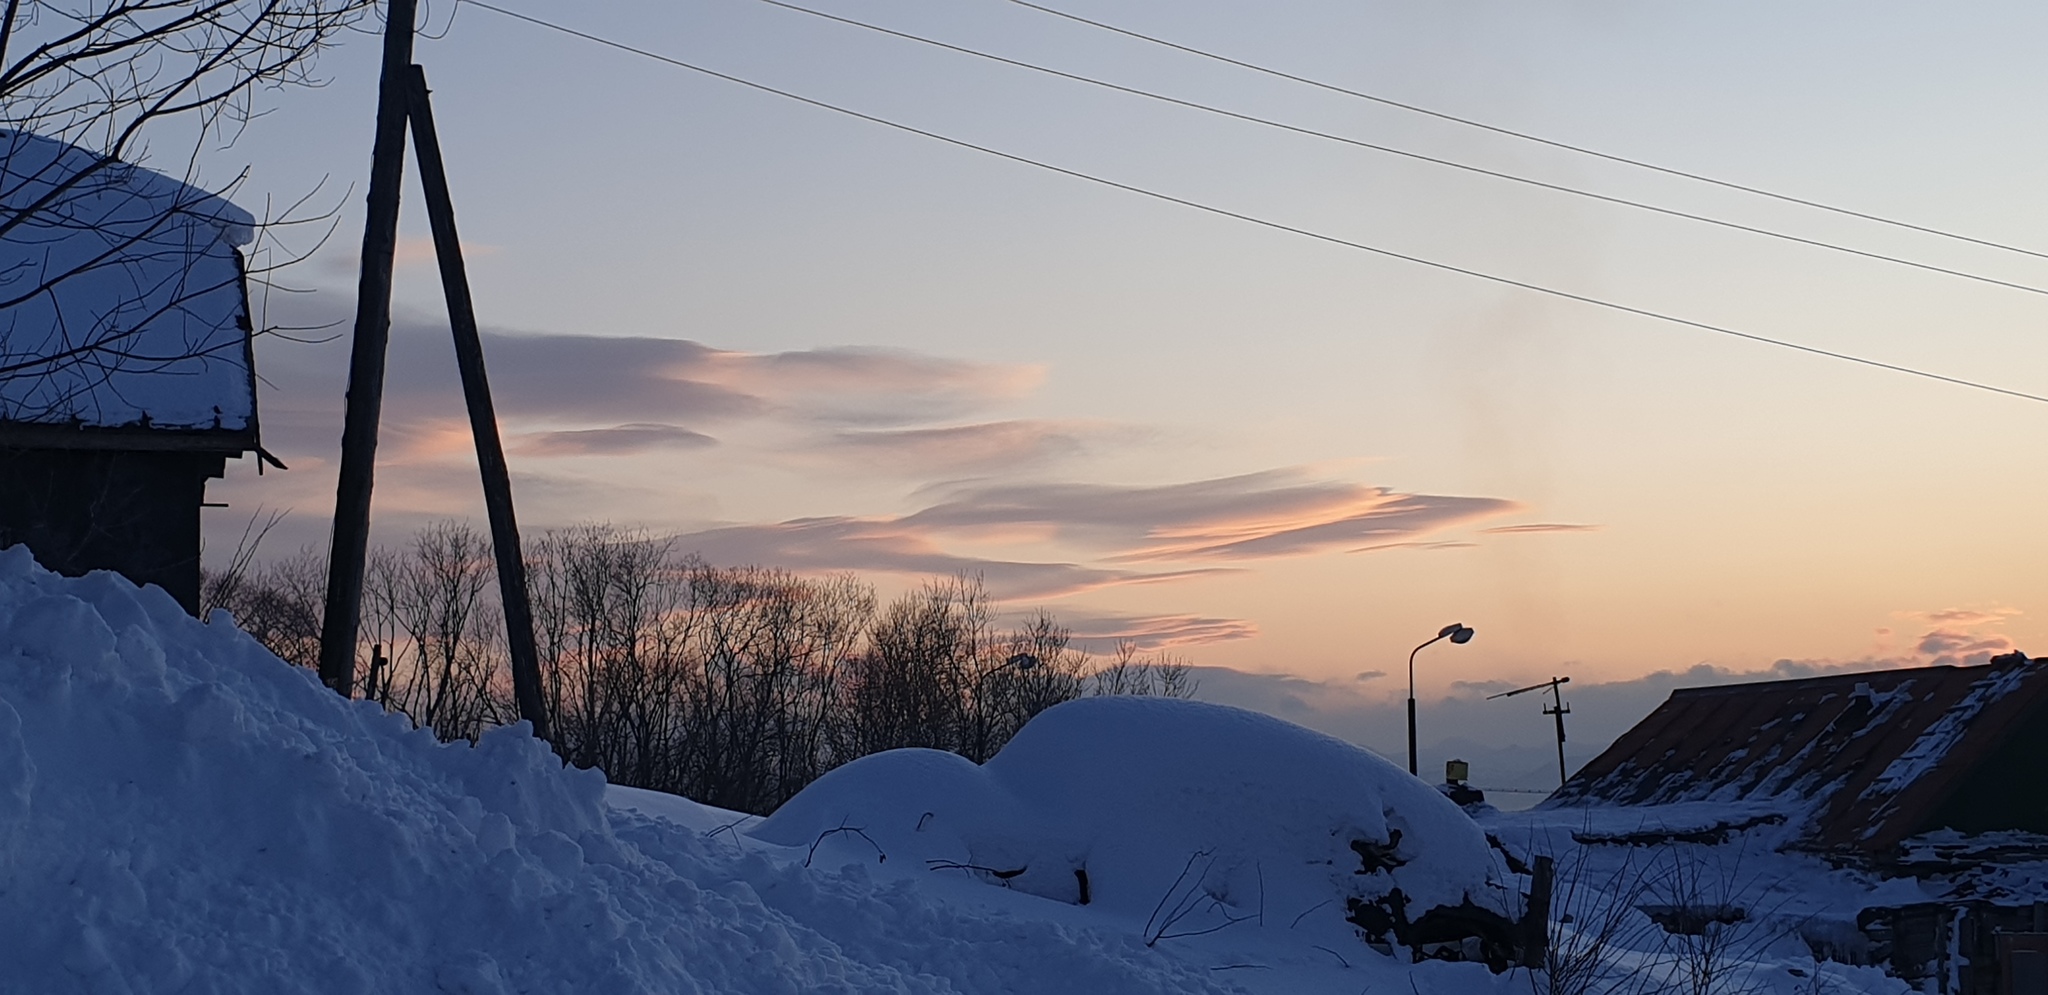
{"x": 1869, "y": 757}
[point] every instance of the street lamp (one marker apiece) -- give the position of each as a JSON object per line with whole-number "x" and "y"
{"x": 1456, "y": 632}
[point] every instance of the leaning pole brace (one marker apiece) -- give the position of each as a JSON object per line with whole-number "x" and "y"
{"x": 351, "y": 536}
{"x": 483, "y": 419}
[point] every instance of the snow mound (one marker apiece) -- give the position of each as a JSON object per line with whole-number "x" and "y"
{"x": 1231, "y": 818}
{"x": 182, "y": 812}
{"x": 141, "y": 270}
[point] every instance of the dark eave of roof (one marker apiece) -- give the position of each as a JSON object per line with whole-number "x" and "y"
{"x": 127, "y": 438}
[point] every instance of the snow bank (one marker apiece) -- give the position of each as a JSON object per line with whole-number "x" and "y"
{"x": 1166, "y": 806}
{"x": 140, "y": 264}
{"x": 181, "y": 812}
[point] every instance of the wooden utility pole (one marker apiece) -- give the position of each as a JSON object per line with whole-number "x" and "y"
{"x": 402, "y": 98}
{"x": 483, "y": 418}
{"x": 350, "y": 548}
{"x": 1559, "y": 709}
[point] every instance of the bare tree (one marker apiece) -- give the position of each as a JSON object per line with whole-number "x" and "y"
{"x": 1130, "y": 672}
{"x": 430, "y": 609}
{"x": 912, "y": 687}
{"x": 277, "y": 603}
{"x": 106, "y": 268}
{"x": 1029, "y": 671}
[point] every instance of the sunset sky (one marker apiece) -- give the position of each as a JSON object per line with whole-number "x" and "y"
{"x": 806, "y": 340}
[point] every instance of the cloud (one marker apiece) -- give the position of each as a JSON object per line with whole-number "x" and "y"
{"x": 1483, "y": 687}
{"x": 1948, "y": 646}
{"x": 1258, "y": 515}
{"x": 412, "y": 250}
{"x": 1099, "y": 632}
{"x": 886, "y": 545}
{"x": 959, "y": 448}
{"x": 1369, "y": 675}
{"x": 1535, "y": 527}
{"x": 1966, "y": 616}
{"x": 567, "y": 382}
{"x": 867, "y": 386}
{"x": 1413, "y": 545}
{"x": 620, "y": 440}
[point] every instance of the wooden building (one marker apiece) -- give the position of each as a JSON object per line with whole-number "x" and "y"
{"x": 1939, "y": 774}
{"x": 127, "y": 377}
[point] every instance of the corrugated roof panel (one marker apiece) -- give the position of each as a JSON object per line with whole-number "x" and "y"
{"x": 1873, "y": 754}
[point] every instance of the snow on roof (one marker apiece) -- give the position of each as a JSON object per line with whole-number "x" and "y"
{"x": 1156, "y": 799}
{"x": 1864, "y": 759}
{"x": 121, "y": 295}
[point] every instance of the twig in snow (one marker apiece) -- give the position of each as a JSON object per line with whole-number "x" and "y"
{"x": 730, "y": 828}
{"x": 1002, "y": 877}
{"x": 1306, "y": 911}
{"x": 881, "y": 857}
{"x": 1156, "y": 927}
{"x": 1333, "y": 953}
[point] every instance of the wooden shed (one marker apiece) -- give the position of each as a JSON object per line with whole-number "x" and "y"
{"x": 127, "y": 376}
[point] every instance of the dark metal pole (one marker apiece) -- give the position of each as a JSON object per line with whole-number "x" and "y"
{"x": 1560, "y": 711}
{"x": 1411, "y": 701}
{"x": 483, "y": 418}
{"x": 351, "y": 536}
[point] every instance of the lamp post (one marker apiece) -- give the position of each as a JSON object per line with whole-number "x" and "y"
{"x": 1456, "y": 632}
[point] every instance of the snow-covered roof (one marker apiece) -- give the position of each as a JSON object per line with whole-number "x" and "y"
{"x": 1864, "y": 760}
{"x": 121, "y": 297}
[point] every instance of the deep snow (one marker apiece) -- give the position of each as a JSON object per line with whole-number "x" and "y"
{"x": 181, "y": 812}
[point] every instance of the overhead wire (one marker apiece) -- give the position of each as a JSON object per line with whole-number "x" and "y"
{"x": 1528, "y": 136}
{"x": 1392, "y": 150}
{"x": 1253, "y": 219}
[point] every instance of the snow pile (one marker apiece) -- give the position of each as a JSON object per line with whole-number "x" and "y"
{"x": 1214, "y": 816}
{"x": 144, "y": 320}
{"x": 181, "y": 812}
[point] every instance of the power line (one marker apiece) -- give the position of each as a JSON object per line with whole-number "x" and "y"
{"x": 1391, "y": 150}
{"x": 1526, "y": 136}
{"x": 1253, "y": 219}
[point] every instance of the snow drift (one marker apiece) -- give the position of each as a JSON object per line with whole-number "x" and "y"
{"x": 1158, "y": 808}
{"x": 182, "y": 812}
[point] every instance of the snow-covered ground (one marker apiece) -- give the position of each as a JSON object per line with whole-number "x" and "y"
{"x": 181, "y": 812}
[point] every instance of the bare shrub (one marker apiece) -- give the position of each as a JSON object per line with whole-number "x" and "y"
{"x": 1594, "y": 931}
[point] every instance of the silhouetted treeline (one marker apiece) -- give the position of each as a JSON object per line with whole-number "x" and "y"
{"x": 735, "y": 686}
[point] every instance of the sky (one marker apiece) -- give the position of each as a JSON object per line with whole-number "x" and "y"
{"x": 796, "y": 338}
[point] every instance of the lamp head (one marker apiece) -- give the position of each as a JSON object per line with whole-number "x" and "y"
{"x": 1461, "y": 634}
{"x": 1021, "y": 661}
{"x": 1449, "y": 630}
